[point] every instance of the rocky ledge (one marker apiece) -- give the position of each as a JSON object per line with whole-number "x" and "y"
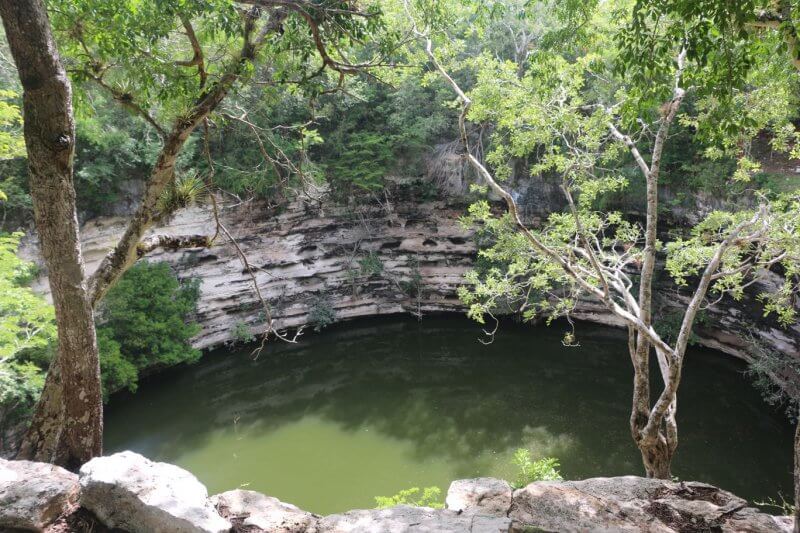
{"x": 127, "y": 492}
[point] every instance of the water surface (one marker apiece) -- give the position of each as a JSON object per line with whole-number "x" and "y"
{"x": 381, "y": 405}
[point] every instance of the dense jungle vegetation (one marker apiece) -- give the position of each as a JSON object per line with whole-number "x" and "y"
{"x": 669, "y": 129}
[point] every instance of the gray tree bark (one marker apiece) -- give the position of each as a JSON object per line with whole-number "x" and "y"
{"x": 67, "y": 427}
{"x": 797, "y": 478}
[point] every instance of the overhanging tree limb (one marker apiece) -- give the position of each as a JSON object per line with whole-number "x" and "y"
{"x": 124, "y": 253}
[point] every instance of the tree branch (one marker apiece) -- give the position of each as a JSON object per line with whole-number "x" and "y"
{"x": 126, "y": 100}
{"x": 198, "y": 59}
{"x": 171, "y": 243}
{"x": 124, "y": 253}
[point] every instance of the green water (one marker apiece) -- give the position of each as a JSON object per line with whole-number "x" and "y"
{"x": 371, "y": 408}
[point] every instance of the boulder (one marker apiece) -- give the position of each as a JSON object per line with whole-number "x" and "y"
{"x": 403, "y": 518}
{"x": 130, "y": 492}
{"x": 483, "y": 495}
{"x": 255, "y": 510}
{"x": 636, "y": 504}
{"x": 32, "y": 495}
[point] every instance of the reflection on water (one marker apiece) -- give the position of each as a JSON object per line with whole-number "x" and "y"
{"x": 372, "y": 408}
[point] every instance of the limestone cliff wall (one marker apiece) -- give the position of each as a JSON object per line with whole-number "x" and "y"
{"x": 308, "y": 254}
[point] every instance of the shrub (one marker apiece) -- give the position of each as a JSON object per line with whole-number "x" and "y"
{"x": 322, "y": 314}
{"x": 371, "y": 265}
{"x": 529, "y": 470}
{"x": 117, "y": 373}
{"x": 144, "y": 324}
{"x": 241, "y": 332}
{"x": 427, "y": 497}
{"x": 413, "y": 285}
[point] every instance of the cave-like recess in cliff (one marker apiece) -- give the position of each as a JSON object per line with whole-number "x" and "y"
{"x": 377, "y": 406}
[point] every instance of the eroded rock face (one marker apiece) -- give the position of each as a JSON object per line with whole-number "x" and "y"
{"x": 303, "y": 252}
{"x": 32, "y": 495}
{"x": 480, "y": 495}
{"x": 403, "y": 519}
{"x": 636, "y": 504}
{"x": 262, "y": 513}
{"x": 130, "y": 492}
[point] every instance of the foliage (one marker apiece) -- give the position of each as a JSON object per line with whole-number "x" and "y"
{"x": 776, "y": 375}
{"x": 112, "y": 148}
{"x": 27, "y": 336}
{"x": 528, "y": 470}
{"x": 185, "y": 191}
{"x": 381, "y": 133}
{"x": 242, "y": 333}
{"x": 782, "y": 506}
{"x": 371, "y": 265}
{"x": 117, "y": 372}
{"x": 142, "y": 324}
{"x": 413, "y": 285}
{"x": 27, "y": 322}
{"x": 553, "y": 116}
{"x": 141, "y": 67}
{"x": 668, "y": 325}
{"x": 744, "y": 81}
{"x": 12, "y": 143}
{"x": 427, "y": 497}
{"x": 321, "y": 313}
{"x": 20, "y": 386}
{"x": 776, "y": 244}
{"x": 12, "y": 148}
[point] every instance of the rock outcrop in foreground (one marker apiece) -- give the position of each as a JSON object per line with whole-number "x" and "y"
{"x": 127, "y": 492}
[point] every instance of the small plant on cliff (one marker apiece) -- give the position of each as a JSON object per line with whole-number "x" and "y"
{"x": 371, "y": 265}
{"x": 413, "y": 285}
{"x": 321, "y": 313}
{"x": 241, "y": 333}
{"x": 427, "y": 497}
{"x": 529, "y": 470}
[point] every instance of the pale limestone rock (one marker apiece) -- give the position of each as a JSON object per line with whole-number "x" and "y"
{"x": 636, "y": 504}
{"x": 483, "y": 495}
{"x": 405, "y": 519}
{"x": 32, "y": 495}
{"x": 130, "y": 492}
{"x": 263, "y": 512}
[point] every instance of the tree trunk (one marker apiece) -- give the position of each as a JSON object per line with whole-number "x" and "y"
{"x": 657, "y": 458}
{"x": 797, "y": 478}
{"x": 67, "y": 425}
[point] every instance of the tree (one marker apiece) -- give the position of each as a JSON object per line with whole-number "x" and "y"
{"x": 128, "y": 49}
{"x": 734, "y": 38}
{"x": 548, "y": 116}
{"x": 75, "y": 434}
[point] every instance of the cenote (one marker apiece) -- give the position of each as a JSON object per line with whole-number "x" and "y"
{"x": 377, "y": 406}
